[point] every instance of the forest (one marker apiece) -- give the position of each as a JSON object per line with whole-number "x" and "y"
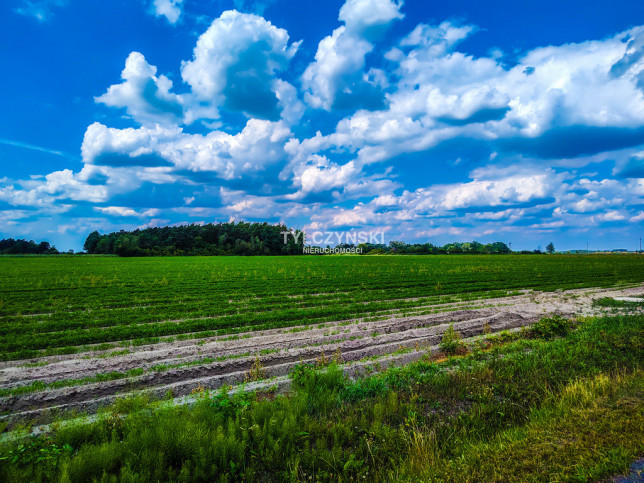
{"x": 9, "y": 246}
{"x": 211, "y": 239}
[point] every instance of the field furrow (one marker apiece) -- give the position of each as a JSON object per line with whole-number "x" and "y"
{"x": 42, "y": 387}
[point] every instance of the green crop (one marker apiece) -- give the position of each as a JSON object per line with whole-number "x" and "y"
{"x": 69, "y": 304}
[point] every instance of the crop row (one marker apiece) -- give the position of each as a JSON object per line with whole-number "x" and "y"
{"x": 60, "y": 302}
{"x": 75, "y": 283}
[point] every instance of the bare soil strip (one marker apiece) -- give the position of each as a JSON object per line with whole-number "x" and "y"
{"x": 278, "y": 351}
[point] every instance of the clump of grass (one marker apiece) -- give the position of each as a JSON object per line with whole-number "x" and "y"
{"x": 551, "y": 327}
{"x": 611, "y": 302}
{"x": 452, "y": 342}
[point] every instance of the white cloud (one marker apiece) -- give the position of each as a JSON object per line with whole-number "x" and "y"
{"x": 433, "y": 41}
{"x": 369, "y": 18}
{"x": 116, "y": 211}
{"x": 170, "y": 9}
{"x": 322, "y": 175}
{"x": 236, "y": 61}
{"x": 100, "y": 140}
{"x": 558, "y": 91}
{"x": 507, "y": 191}
{"x": 611, "y": 216}
{"x": 258, "y": 145}
{"x": 355, "y": 217}
{"x": 637, "y": 218}
{"x": 425, "y": 93}
{"x": 385, "y": 200}
{"x": 43, "y": 193}
{"x": 291, "y": 106}
{"x": 336, "y": 78}
{"x": 146, "y": 97}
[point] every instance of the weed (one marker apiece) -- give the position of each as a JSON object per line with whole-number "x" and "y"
{"x": 256, "y": 371}
{"x": 451, "y": 342}
{"x": 550, "y": 327}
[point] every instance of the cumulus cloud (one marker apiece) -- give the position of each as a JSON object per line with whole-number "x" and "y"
{"x": 637, "y": 218}
{"x": 430, "y": 42}
{"x": 228, "y": 156}
{"x": 336, "y": 79}
{"x": 507, "y": 191}
{"x": 558, "y": 102}
{"x": 319, "y": 174}
{"x": 58, "y": 185}
{"x": 170, "y": 9}
{"x": 145, "y": 97}
{"x": 235, "y": 64}
{"x": 632, "y": 62}
{"x": 527, "y": 201}
{"x": 369, "y": 18}
{"x": 100, "y": 141}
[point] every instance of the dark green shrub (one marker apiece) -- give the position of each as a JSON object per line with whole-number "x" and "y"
{"x": 551, "y": 327}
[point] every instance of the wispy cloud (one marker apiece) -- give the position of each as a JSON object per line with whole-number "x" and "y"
{"x": 33, "y": 147}
{"x": 41, "y": 10}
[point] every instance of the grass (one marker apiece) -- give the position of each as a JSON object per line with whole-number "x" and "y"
{"x": 590, "y": 430}
{"x": 610, "y": 302}
{"x": 554, "y": 407}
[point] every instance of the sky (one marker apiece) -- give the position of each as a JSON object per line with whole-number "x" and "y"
{"x": 495, "y": 120}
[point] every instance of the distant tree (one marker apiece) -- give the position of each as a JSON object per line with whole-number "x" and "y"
{"x": 128, "y": 246}
{"x": 92, "y": 242}
{"x": 397, "y": 246}
{"x": 10, "y": 246}
{"x": 497, "y": 248}
{"x": 550, "y": 247}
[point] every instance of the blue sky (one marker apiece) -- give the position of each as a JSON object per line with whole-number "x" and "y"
{"x": 431, "y": 121}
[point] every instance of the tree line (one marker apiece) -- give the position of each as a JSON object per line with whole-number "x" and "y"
{"x": 9, "y": 246}
{"x": 253, "y": 239}
{"x": 211, "y": 239}
{"x": 232, "y": 238}
{"x": 402, "y": 248}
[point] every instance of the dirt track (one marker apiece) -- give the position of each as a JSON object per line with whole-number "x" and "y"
{"x": 278, "y": 351}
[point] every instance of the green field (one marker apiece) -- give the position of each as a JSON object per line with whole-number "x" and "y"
{"x": 520, "y": 395}
{"x": 51, "y": 305}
